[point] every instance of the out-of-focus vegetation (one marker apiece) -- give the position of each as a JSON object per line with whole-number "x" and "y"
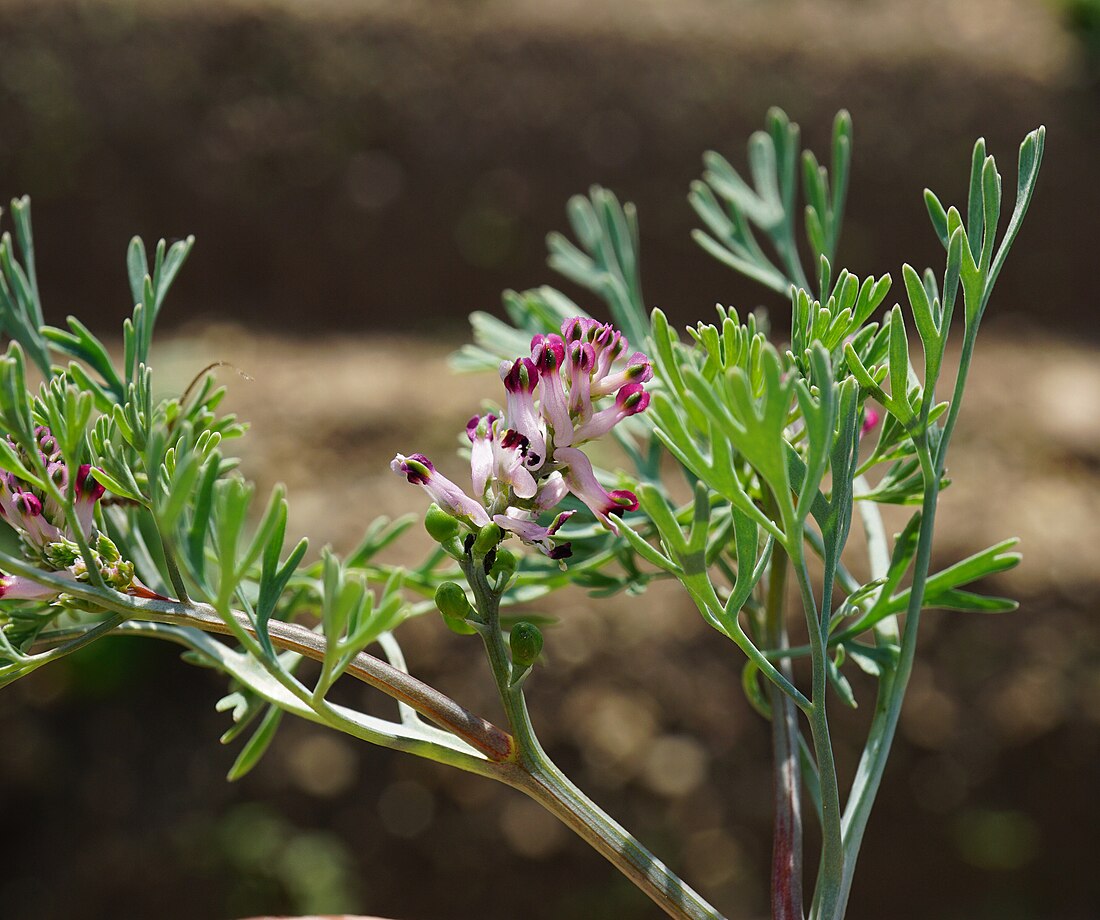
{"x": 400, "y": 165}
{"x": 397, "y": 167}
{"x": 1083, "y": 18}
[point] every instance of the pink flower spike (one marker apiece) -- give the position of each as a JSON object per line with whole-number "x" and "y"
{"x": 520, "y": 381}
{"x": 630, "y": 400}
{"x": 870, "y": 419}
{"x": 637, "y": 370}
{"x": 419, "y": 470}
{"x": 548, "y": 353}
{"x": 582, "y": 482}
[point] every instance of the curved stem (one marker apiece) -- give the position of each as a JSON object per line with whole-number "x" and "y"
{"x": 75, "y": 639}
{"x": 493, "y": 742}
{"x": 540, "y": 778}
{"x": 421, "y": 740}
{"x": 547, "y": 785}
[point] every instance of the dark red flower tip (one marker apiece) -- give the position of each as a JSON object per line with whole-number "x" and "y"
{"x": 513, "y": 439}
{"x": 582, "y": 356}
{"x": 86, "y": 484}
{"x": 522, "y": 377}
{"x": 576, "y": 329}
{"x": 473, "y": 424}
{"x": 417, "y": 469}
{"x": 561, "y": 551}
{"x": 632, "y": 398}
{"x": 27, "y": 504}
{"x": 548, "y": 352}
{"x": 624, "y": 501}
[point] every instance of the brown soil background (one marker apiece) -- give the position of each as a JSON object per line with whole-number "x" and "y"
{"x": 367, "y": 171}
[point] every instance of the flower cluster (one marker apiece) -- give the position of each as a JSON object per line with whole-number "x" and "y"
{"x": 44, "y": 531}
{"x": 524, "y": 462}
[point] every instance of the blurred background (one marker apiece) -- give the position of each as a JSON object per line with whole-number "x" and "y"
{"x": 360, "y": 176}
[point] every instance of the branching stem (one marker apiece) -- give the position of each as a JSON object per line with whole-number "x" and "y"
{"x": 540, "y": 778}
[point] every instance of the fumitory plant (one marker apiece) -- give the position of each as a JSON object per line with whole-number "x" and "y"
{"x": 750, "y": 465}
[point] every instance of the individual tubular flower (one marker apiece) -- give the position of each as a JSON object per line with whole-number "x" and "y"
{"x": 420, "y": 471}
{"x": 480, "y": 431}
{"x": 18, "y": 588}
{"x": 524, "y": 524}
{"x": 521, "y": 377}
{"x": 630, "y": 400}
{"x": 87, "y": 493}
{"x": 511, "y": 452}
{"x": 638, "y": 370}
{"x": 548, "y": 353}
{"x": 526, "y": 461}
{"x": 582, "y": 482}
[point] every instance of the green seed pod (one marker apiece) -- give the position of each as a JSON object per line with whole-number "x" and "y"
{"x": 526, "y": 643}
{"x": 452, "y": 603}
{"x": 440, "y": 525}
{"x": 487, "y": 539}
{"x": 504, "y": 564}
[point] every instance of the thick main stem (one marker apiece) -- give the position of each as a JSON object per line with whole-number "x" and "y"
{"x": 786, "y": 880}
{"x": 495, "y": 744}
{"x": 547, "y": 785}
{"x": 540, "y": 778}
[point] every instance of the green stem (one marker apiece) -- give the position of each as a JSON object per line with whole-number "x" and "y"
{"x": 540, "y": 778}
{"x": 893, "y": 686}
{"x": 827, "y": 894}
{"x": 174, "y": 574}
{"x": 786, "y": 881}
{"x": 493, "y": 743}
{"x": 547, "y": 785}
{"x": 788, "y": 250}
{"x": 71, "y": 641}
{"x": 969, "y": 338}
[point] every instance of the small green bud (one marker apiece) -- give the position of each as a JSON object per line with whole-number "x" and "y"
{"x": 487, "y": 539}
{"x": 440, "y": 525}
{"x": 526, "y": 643}
{"x": 106, "y": 549}
{"x": 451, "y": 601}
{"x": 504, "y": 564}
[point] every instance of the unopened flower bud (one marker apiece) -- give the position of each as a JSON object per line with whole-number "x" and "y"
{"x": 526, "y": 643}
{"x": 456, "y": 609}
{"x": 487, "y": 539}
{"x": 440, "y": 525}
